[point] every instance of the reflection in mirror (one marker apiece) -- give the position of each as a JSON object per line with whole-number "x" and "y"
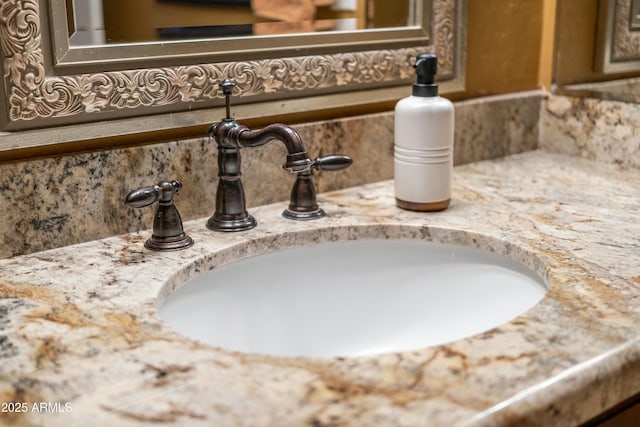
{"x": 97, "y": 22}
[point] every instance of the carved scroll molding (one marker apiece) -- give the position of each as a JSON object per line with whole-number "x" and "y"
{"x": 31, "y": 94}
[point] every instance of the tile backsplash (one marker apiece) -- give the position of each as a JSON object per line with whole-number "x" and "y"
{"x": 60, "y": 201}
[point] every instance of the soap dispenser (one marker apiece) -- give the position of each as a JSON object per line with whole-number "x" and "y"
{"x": 423, "y": 143}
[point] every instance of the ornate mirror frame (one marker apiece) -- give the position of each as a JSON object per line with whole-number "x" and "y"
{"x": 46, "y": 83}
{"x": 618, "y": 42}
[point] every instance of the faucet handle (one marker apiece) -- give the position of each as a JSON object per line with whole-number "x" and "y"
{"x": 332, "y": 162}
{"x": 168, "y": 234}
{"x": 162, "y": 192}
{"x": 227, "y": 86}
{"x": 303, "y": 205}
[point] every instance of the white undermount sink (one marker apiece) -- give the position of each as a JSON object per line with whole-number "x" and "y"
{"x": 352, "y": 298}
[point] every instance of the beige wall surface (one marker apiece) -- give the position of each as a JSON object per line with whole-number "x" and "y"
{"x": 504, "y": 40}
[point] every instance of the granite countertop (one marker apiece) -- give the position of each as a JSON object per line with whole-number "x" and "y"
{"x": 79, "y": 329}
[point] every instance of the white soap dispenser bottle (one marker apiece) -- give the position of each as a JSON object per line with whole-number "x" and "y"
{"x": 423, "y": 136}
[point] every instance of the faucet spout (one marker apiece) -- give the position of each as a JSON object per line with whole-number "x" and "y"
{"x": 297, "y": 158}
{"x": 230, "y": 136}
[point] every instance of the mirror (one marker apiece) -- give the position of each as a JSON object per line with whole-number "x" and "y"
{"x": 598, "y": 49}
{"x": 97, "y": 22}
{"x": 119, "y": 89}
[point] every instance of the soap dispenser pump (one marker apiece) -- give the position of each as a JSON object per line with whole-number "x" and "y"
{"x": 423, "y": 143}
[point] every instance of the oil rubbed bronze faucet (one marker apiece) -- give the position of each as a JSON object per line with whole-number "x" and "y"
{"x": 230, "y": 212}
{"x": 303, "y": 205}
{"x": 168, "y": 234}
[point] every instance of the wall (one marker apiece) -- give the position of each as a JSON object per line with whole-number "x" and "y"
{"x": 504, "y": 44}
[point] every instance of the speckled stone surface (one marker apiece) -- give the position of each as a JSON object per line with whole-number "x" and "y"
{"x": 492, "y": 127}
{"x": 78, "y": 325}
{"x": 597, "y": 129}
{"x": 55, "y": 202}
